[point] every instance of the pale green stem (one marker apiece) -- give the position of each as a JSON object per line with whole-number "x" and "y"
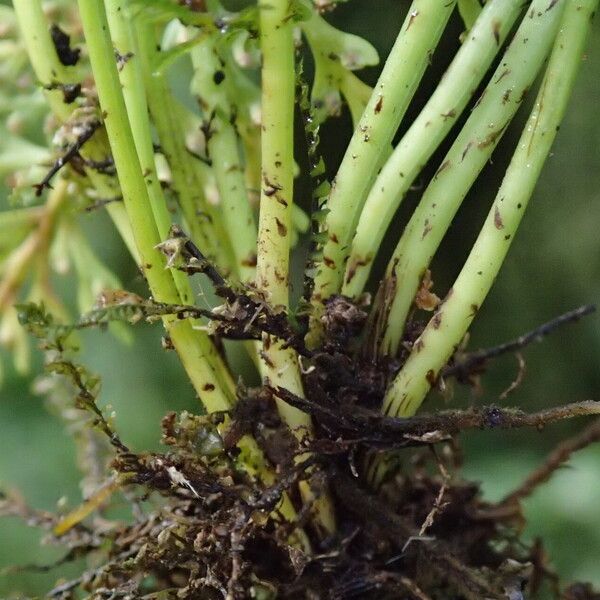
{"x": 48, "y": 69}
{"x": 42, "y": 53}
{"x": 459, "y": 169}
{"x": 251, "y": 143}
{"x": 134, "y": 94}
{"x": 224, "y": 152}
{"x": 236, "y": 210}
{"x": 204, "y": 223}
{"x": 193, "y": 343}
{"x": 432, "y": 125}
{"x": 198, "y": 355}
{"x": 274, "y": 230}
{"x": 448, "y": 326}
{"x": 200, "y": 359}
{"x": 223, "y": 149}
{"x": 118, "y": 216}
{"x": 277, "y": 191}
{"x": 370, "y": 143}
{"x": 251, "y": 456}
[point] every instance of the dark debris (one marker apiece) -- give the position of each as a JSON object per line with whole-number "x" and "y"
{"x": 62, "y": 43}
{"x": 210, "y": 529}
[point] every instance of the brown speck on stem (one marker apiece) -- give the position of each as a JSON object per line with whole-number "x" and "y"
{"x": 502, "y": 75}
{"x": 498, "y": 223}
{"x": 426, "y": 229}
{"x": 467, "y": 148}
{"x": 431, "y": 377}
{"x": 270, "y": 188}
{"x": 250, "y": 261}
{"x": 492, "y": 137}
{"x": 379, "y": 105}
{"x": 281, "y": 228}
{"x": 267, "y": 360}
{"x": 496, "y": 31}
{"x": 445, "y": 165}
{"x": 522, "y": 96}
{"x": 208, "y": 387}
{"x": 359, "y": 262}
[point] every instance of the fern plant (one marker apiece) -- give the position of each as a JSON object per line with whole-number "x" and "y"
{"x": 193, "y": 125}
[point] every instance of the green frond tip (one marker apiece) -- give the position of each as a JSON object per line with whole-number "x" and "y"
{"x": 336, "y": 54}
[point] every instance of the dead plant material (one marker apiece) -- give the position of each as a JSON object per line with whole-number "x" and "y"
{"x": 464, "y": 367}
{"x": 72, "y": 151}
{"x": 425, "y": 298}
{"x": 246, "y": 314}
{"x": 375, "y": 429}
{"x": 517, "y": 380}
{"x": 203, "y": 527}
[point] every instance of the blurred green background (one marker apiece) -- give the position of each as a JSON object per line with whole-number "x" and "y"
{"x": 553, "y": 266}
